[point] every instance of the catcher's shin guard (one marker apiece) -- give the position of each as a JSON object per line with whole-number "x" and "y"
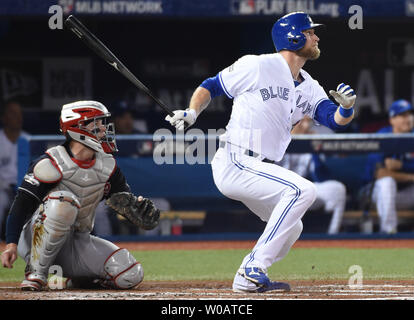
{"x": 50, "y": 231}
{"x": 122, "y": 270}
{"x": 33, "y": 281}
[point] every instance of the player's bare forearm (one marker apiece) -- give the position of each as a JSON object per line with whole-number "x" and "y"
{"x": 185, "y": 118}
{"x": 200, "y": 100}
{"x": 339, "y": 119}
{"x": 393, "y": 164}
{"x": 398, "y": 176}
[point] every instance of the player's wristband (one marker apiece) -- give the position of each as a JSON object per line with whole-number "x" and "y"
{"x": 346, "y": 113}
{"x": 191, "y": 112}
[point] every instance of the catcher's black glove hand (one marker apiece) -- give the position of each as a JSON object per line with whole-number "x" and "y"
{"x": 141, "y": 213}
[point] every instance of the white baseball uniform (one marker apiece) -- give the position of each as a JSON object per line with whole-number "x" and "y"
{"x": 388, "y": 195}
{"x": 331, "y": 194}
{"x": 8, "y": 161}
{"x": 265, "y": 107}
{"x": 388, "y": 199}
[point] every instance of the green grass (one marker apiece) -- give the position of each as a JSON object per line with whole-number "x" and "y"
{"x": 307, "y": 264}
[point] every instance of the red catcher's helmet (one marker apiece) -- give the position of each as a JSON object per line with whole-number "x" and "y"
{"x": 76, "y": 116}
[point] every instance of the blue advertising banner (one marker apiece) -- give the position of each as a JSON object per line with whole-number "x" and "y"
{"x": 211, "y": 8}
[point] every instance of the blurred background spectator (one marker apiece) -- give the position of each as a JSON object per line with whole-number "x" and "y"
{"x": 392, "y": 174}
{"x": 107, "y": 221}
{"x": 126, "y": 123}
{"x": 331, "y": 194}
{"x": 12, "y": 121}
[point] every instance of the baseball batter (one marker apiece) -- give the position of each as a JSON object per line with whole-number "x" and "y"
{"x": 270, "y": 93}
{"x": 11, "y": 119}
{"x": 60, "y": 193}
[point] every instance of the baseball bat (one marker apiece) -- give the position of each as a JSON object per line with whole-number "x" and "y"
{"x": 74, "y": 25}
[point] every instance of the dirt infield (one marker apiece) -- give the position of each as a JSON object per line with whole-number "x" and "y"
{"x": 206, "y": 290}
{"x": 218, "y": 290}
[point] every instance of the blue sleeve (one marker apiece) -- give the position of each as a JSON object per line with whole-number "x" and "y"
{"x": 213, "y": 85}
{"x": 407, "y": 164}
{"x": 325, "y": 115}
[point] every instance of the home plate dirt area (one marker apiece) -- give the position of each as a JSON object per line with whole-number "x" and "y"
{"x": 195, "y": 290}
{"x": 221, "y": 290}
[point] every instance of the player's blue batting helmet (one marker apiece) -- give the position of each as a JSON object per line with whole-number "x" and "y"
{"x": 287, "y": 31}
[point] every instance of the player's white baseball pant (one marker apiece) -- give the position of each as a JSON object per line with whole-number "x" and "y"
{"x": 278, "y": 196}
{"x": 388, "y": 200}
{"x": 331, "y": 195}
{"x": 50, "y": 238}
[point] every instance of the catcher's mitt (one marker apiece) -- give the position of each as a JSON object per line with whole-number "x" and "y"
{"x": 141, "y": 213}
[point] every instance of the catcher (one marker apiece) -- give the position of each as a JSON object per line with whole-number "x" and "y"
{"x": 60, "y": 193}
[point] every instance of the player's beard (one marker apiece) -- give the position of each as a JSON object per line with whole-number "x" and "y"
{"x": 311, "y": 53}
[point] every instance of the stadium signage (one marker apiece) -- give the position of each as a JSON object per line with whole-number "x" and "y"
{"x": 112, "y": 7}
{"x": 280, "y": 7}
{"x": 368, "y": 145}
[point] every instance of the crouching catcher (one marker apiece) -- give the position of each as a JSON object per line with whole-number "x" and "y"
{"x": 52, "y": 216}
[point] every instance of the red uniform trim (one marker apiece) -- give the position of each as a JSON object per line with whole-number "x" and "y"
{"x": 36, "y": 283}
{"x": 85, "y": 164}
{"x": 86, "y": 113}
{"x": 67, "y": 199}
{"x": 109, "y": 257}
{"x": 114, "y": 279}
{"x": 54, "y": 163}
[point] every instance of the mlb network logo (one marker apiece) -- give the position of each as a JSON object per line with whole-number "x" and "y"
{"x": 67, "y": 6}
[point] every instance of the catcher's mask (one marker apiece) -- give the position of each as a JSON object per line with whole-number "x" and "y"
{"x": 88, "y": 123}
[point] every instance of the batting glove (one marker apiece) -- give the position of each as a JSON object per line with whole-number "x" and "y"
{"x": 182, "y": 118}
{"x": 344, "y": 95}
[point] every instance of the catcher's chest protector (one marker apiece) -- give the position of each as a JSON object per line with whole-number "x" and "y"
{"x": 86, "y": 184}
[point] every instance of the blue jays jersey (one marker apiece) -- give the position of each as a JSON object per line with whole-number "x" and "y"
{"x": 266, "y": 103}
{"x": 375, "y": 159}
